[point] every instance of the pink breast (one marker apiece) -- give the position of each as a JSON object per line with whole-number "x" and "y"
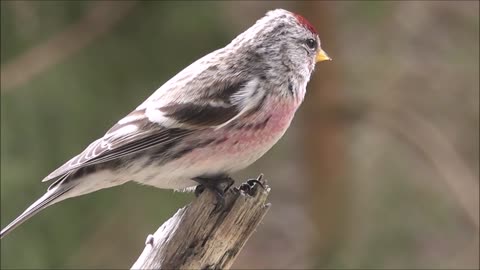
{"x": 260, "y": 130}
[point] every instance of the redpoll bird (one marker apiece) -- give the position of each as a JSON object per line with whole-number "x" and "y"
{"x": 215, "y": 117}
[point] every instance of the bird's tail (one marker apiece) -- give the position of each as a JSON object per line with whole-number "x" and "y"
{"x": 47, "y": 199}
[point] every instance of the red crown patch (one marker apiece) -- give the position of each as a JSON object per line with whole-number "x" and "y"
{"x": 305, "y": 23}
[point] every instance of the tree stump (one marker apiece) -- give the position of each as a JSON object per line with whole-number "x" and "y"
{"x": 202, "y": 236}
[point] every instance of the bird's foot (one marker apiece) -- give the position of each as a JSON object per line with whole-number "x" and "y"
{"x": 247, "y": 187}
{"x": 215, "y": 184}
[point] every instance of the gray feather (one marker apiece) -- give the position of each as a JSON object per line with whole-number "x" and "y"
{"x": 47, "y": 199}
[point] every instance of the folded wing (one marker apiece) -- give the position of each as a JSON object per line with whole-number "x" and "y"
{"x": 156, "y": 125}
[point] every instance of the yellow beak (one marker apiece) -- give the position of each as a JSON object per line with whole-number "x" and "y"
{"x": 322, "y": 56}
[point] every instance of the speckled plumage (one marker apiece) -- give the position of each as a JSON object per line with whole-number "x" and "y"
{"x": 217, "y": 116}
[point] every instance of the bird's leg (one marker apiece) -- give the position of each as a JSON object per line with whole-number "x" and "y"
{"x": 214, "y": 184}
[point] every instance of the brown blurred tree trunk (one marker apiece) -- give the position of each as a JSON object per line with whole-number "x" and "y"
{"x": 323, "y": 137}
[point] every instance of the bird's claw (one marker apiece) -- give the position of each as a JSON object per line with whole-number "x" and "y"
{"x": 250, "y": 183}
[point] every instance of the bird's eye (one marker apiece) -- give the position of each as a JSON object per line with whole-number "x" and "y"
{"x": 311, "y": 43}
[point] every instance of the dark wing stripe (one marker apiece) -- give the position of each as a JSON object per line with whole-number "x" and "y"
{"x": 226, "y": 92}
{"x": 202, "y": 112}
{"x": 194, "y": 114}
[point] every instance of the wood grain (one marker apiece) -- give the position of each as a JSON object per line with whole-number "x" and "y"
{"x": 199, "y": 236}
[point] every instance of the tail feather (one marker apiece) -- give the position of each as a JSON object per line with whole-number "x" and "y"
{"x": 33, "y": 209}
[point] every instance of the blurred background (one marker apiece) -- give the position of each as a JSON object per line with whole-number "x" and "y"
{"x": 379, "y": 170}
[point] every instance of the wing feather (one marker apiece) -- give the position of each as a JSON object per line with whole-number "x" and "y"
{"x": 173, "y": 121}
{"x": 111, "y": 148}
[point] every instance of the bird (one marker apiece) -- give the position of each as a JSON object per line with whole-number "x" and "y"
{"x": 215, "y": 117}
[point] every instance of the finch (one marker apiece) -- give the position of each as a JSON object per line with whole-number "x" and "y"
{"x": 215, "y": 117}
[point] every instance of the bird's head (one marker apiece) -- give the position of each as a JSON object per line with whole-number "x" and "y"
{"x": 284, "y": 40}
